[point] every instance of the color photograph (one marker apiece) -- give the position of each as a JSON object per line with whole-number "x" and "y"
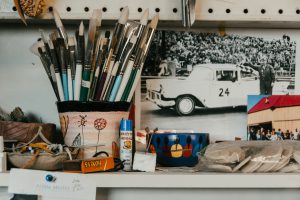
{"x": 274, "y": 117}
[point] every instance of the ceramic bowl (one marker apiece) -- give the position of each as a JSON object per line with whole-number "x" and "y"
{"x": 178, "y": 149}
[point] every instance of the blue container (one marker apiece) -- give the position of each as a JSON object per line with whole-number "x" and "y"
{"x": 178, "y": 149}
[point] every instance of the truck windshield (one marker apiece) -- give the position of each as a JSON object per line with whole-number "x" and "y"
{"x": 226, "y": 75}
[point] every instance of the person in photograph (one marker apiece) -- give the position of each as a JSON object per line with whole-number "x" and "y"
{"x": 252, "y": 134}
{"x": 274, "y": 136}
{"x": 295, "y": 134}
{"x": 163, "y": 66}
{"x": 258, "y": 135}
{"x": 268, "y": 135}
{"x": 264, "y": 136}
{"x": 266, "y": 75}
{"x": 279, "y": 133}
{"x": 286, "y": 135}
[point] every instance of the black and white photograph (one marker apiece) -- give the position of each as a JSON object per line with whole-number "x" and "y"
{"x": 196, "y": 79}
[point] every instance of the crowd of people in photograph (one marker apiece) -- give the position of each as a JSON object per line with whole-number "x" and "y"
{"x": 273, "y": 135}
{"x": 191, "y": 48}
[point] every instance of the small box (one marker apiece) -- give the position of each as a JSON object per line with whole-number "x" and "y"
{"x": 97, "y": 164}
{"x": 145, "y": 162}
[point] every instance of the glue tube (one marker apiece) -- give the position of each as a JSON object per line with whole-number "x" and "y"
{"x": 126, "y": 143}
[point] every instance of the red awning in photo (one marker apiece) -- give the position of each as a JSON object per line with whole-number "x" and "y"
{"x": 276, "y": 101}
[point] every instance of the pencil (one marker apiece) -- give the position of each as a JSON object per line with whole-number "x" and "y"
{"x": 79, "y": 61}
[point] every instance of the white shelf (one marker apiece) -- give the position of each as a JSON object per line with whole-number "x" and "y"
{"x": 209, "y": 13}
{"x": 186, "y": 180}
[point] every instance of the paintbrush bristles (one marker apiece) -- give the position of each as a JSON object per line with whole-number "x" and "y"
{"x": 154, "y": 22}
{"x": 71, "y": 41}
{"x": 57, "y": 18}
{"x": 41, "y": 45}
{"x": 107, "y": 34}
{"x": 133, "y": 39}
{"x": 43, "y": 35}
{"x": 97, "y": 14}
{"x": 124, "y": 15}
{"x": 81, "y": 29}
{"x": 50, "y": 43}
{"x": 34, "y": 49}
{"x": 144, "y": 19}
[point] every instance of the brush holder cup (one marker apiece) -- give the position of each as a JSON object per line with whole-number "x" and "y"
{"x": 178, "y": 149}
{"x": 94, "y": 126}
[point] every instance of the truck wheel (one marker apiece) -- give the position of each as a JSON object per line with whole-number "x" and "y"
{"x": 185, "y": 105}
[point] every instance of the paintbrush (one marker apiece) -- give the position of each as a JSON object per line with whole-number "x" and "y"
{"x": 39, "y": 50}
{"x": 141, "y": 30}
{"x": 140, "y": 59}
{"x": 116, "y": 41}
{"x": 69, "y": 73}
{"x": 85, "y": 83}
{"x": 96, "y": 61}
{"x": 124, "y": 62}
{"x": 60, "y": 27}
{"x": 72, "y": 62}
{"x": 130, "y": 30}
{"x": 63, "y": 63}
{"x": 56, "y": 71}
{"x": 45, "y": 41}
{"x": 95, "y": 56}
{"x": 128, "y": 67}
{"x": 100, "y": 64}
{"x": 79, "y": 61}
{"x": 105, "y": 52}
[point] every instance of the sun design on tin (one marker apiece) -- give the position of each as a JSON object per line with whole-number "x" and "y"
{"x": 82, "y": 122}
{"x": 99, "y": 125}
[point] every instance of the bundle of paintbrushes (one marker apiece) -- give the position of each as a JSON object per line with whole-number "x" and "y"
{"x": 102, "y": 69}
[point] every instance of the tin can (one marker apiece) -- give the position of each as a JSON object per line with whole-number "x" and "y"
{"x": 126, "y": 143}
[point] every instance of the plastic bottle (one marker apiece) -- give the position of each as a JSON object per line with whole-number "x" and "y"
{"x": 126, "y": 143}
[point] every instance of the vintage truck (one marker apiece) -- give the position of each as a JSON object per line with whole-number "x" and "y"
{"x": 208, "y": 86}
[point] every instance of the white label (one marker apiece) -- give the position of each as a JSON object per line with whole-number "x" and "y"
{"x": 86, "y": 84}
{"x": 66, "y": 185}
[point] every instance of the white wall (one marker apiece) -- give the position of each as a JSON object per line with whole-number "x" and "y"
{"x": 24, "y": 83}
